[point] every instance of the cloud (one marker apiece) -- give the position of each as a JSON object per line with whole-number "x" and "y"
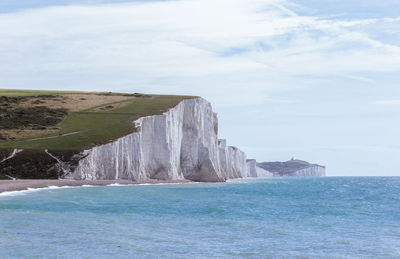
{"x": 182, "y": 42}
{"x": 387, "y": 102}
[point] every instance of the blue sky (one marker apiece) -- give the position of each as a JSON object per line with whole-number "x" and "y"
{"x": 316, "y": 80}
{"x": 352, "y": 9}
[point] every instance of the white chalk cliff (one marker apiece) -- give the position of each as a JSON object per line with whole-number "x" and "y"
{"x": 293, "y": 167}
{"x": 255, "y": 171}
{"x": 314, "y": 171}
{"x": 180, "y": 144}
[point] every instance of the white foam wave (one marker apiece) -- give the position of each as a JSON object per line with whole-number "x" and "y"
{"x": 15, "y": 193}
{"x": 117, "y": 185}
{"x": 246, "y": 180}
{"x": 148, "y": 184}
{"x": 33, "y": 190}
{"x": 182, "y": 183}
{"x": 53, "y": 187}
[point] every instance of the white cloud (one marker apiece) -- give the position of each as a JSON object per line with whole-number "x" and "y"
{"x": 387, "y": 102}
{"x": 135, "y": 43}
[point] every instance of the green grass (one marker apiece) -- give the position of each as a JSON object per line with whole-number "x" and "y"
{"x": 14, "y": 92}
{"x": 95, "y": 127}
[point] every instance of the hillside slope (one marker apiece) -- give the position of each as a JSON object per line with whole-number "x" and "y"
{"x": 64, "y": 124}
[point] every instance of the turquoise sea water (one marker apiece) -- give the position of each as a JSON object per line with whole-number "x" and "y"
{"x": 264, "y": 218}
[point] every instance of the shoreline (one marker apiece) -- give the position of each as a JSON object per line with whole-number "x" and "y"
{"x": 24, "y": 185}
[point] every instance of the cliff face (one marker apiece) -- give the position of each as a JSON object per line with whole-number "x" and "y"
{"x": 314, "y": 171}
{"x": 255, "y": 171}
{"x": 180, "y": 144}
{"x": 232, "y": 161}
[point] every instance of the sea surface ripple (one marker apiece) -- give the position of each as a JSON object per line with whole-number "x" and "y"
{"x": 334, "y": 217}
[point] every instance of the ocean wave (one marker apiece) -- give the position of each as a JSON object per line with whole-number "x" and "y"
{"x": 33, "y": 190}
{"x": 30, "y": 190}
{"x": 118, "y": 185}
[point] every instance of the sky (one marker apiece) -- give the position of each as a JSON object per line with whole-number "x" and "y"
{"x": 310, "y": 79}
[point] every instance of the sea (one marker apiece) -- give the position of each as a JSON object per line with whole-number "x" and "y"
{"x": 332, "y": 217}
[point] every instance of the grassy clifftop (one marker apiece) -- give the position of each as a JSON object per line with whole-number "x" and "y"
{"x": 72, "y": 121}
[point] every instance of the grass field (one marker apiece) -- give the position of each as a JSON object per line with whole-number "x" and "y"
{"x": 94, "y": 126}
{"x": 14, "y": 92}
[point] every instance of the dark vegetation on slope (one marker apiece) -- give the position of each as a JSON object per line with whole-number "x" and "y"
{"x": 12, "y": 116}
{"x": 33, "y": 164}
{"x": 35, "y": 117}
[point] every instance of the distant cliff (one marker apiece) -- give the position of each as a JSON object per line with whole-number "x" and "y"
{"x": 293, "y": 168}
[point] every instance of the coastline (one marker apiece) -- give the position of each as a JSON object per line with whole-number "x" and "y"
{"x": 23, "y": 185}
